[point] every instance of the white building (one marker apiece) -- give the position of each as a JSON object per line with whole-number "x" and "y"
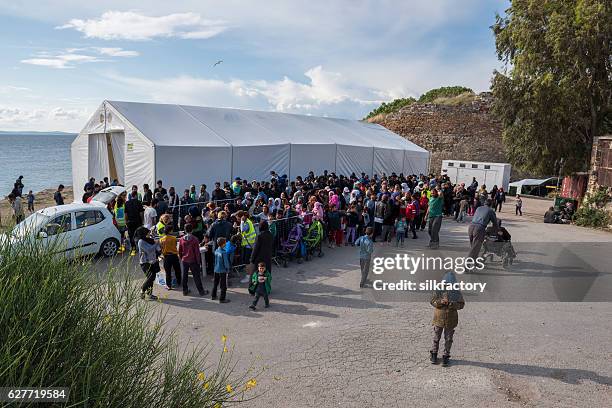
{"x": 138, "y": 143}
{"x": 489, "y": 174}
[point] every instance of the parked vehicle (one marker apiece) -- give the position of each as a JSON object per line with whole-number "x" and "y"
{"x": 74, "y": 230}
{"x": 106, "y": 195}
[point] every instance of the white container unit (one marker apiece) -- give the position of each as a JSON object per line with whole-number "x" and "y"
{"x": 489, "y": 174}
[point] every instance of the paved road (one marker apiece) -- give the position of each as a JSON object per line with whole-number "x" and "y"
{"x": 325, "y": 342}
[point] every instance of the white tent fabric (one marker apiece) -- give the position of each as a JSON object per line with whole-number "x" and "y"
{"x": 98, "y": 156}
{"x": 188, "y": 144}
{"x": 118, "y": 146}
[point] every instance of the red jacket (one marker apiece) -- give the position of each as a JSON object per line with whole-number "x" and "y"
{"x": 189, "y": 249}
{"x": 410, "y": 211}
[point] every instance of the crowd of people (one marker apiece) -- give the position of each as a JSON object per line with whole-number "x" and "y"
{"x": 242, "y": 223}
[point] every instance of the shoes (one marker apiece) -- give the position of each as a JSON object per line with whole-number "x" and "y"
{"x": 225, "y": 301}
{"x": 267, "y": 305}
{"x": 445, "y": 361}
{"x": 214, "y": 298}
{"x": 246, "y": 279}
{"x": 433, "y": 357}
{"x": 152, "y": 297}
{"x": 168, "y": 287}
{"x": 252, "y": 307}
{"x": 186, "y": 293}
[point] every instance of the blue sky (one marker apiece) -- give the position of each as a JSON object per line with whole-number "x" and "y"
{"x": 59, "y": 60}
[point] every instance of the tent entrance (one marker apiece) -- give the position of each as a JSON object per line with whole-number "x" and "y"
{"x": 106, "y": 156}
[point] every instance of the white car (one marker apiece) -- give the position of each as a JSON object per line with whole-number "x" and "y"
{"x": 106, "y": 195}
{"x": 74, "y": 230}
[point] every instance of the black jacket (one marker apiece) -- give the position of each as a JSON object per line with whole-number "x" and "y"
{"x": 263, "y": 248}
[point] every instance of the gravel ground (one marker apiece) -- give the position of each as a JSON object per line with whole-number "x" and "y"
{"x": 325, "y": 342}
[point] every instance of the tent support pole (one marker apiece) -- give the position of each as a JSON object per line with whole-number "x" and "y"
{"x": 232, "y": 164}
{"x": 289, "y": 171}
{"x": 372, "y": 174}
{"x": 336, "y": 159}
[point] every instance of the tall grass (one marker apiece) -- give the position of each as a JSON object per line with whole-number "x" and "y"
{"x": 60, "y": 326}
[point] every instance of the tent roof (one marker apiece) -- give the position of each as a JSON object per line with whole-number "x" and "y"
{"x": 182, "y": 125}
{"x": 530, "y": 182}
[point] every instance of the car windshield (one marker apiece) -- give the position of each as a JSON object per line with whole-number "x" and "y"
{"x": 104, "y": 197}
{"x": 30, "y": 225}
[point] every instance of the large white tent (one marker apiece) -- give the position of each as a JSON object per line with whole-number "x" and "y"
{"x": 138, "y": 143}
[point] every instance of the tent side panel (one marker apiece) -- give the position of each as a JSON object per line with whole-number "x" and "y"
{"x": 97, "y": 156}
{"x": 139, "y": 161}
{"x": 415, "y": 162}
{"x": 388, "y": 161}
{"x": 354, "y": 159}
{"x": 180, "y": 166}
{"x": 256, "y": 162}
{"x": 80, "y": 163}
{"x": 315, "y": 157}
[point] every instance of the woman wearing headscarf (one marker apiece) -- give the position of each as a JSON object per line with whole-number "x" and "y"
{"x": 446, "y": 303}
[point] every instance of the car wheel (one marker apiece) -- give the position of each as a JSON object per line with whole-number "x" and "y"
{"x": 109, "y": 247}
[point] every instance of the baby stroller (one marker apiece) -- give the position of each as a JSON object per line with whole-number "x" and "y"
{"x": 292, "y": 246}
{"x": 499, "y": 243}
{"x": 314, "y": 239}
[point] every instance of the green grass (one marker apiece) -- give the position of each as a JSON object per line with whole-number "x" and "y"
{"x": 64, "y": 327}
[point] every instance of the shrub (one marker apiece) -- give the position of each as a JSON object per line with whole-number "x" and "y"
{"x": 444, "y": 92}
{"x": 62, "y": 326}
{"x": 593, "y": 212}
{"x": 393, "y": 106}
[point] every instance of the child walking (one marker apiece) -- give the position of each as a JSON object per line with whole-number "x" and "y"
{"x": 519, "y": 205}
{"x": 446, "y": 304}
{"x": 366, "y": 248}
{"x": 400, "y": 231}
{"x": 222, "y": 267}
{"x": 463, "y": 205}
{"x": 261, "y": 285}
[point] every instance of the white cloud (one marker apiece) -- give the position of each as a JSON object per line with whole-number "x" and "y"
{"x": 47, "y": 118}
{"x": 116, "y": 52}
{"x": 130, "y": 25}
{"x": 70, "y": 57}
{"x": 325, "y": 93}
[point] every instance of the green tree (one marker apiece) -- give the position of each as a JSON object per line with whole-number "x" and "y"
{"x": 390, "y": 107}
{"x": 554, "y": 94}
{"x": 443, "y": 92}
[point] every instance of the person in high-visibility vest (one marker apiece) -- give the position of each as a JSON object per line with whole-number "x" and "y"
{"x": 247, "y": 230}
{"x": 160, "y": 228}
{"x": 119, "y": 213}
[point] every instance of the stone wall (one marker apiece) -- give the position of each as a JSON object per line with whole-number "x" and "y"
{"x": 464, "y": 131}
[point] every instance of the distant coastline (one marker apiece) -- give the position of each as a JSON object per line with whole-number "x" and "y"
{"x": 36, "y": 132}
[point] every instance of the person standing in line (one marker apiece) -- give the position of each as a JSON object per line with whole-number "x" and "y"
{"x": 222, "y": 267}
{"x": 133, "y": 218}
{"x": 149, "y": 217}
{"x": 173, "y": 207}
{"x": 119, "y": 214}
{"x": 519, "y": 205}
{"x": 189, "y": 253}
{"x": 31, "y": 202}
{"x": 148, "y": 250}
{"x": 59, "y": 200}
{"x": 366, "y": 248}
{"x": 434, "y": 216}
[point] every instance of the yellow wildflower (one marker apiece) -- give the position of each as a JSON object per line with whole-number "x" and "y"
{"x": 217, "y": 405}
{"x": 229, "y": 388}
{"x": 224, "y": 338}
{"x": 224, "y": 349}
{"x": 206, "y": 385}
{"x": 201, "y": 376}
{"x": 250, "y": 384}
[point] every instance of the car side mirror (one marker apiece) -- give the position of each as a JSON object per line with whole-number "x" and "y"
{"x": 42, "y": 234}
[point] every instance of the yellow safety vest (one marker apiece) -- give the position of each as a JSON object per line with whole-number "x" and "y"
{"x": 161, "y": 229}
{"x": 248, "y": 238}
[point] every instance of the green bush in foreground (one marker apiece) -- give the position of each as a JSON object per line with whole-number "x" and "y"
{"x": 593, "y": 213}
{"x": 64, "y": 327}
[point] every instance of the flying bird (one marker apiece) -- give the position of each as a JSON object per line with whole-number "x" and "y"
{"x": 217, "y": 63}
